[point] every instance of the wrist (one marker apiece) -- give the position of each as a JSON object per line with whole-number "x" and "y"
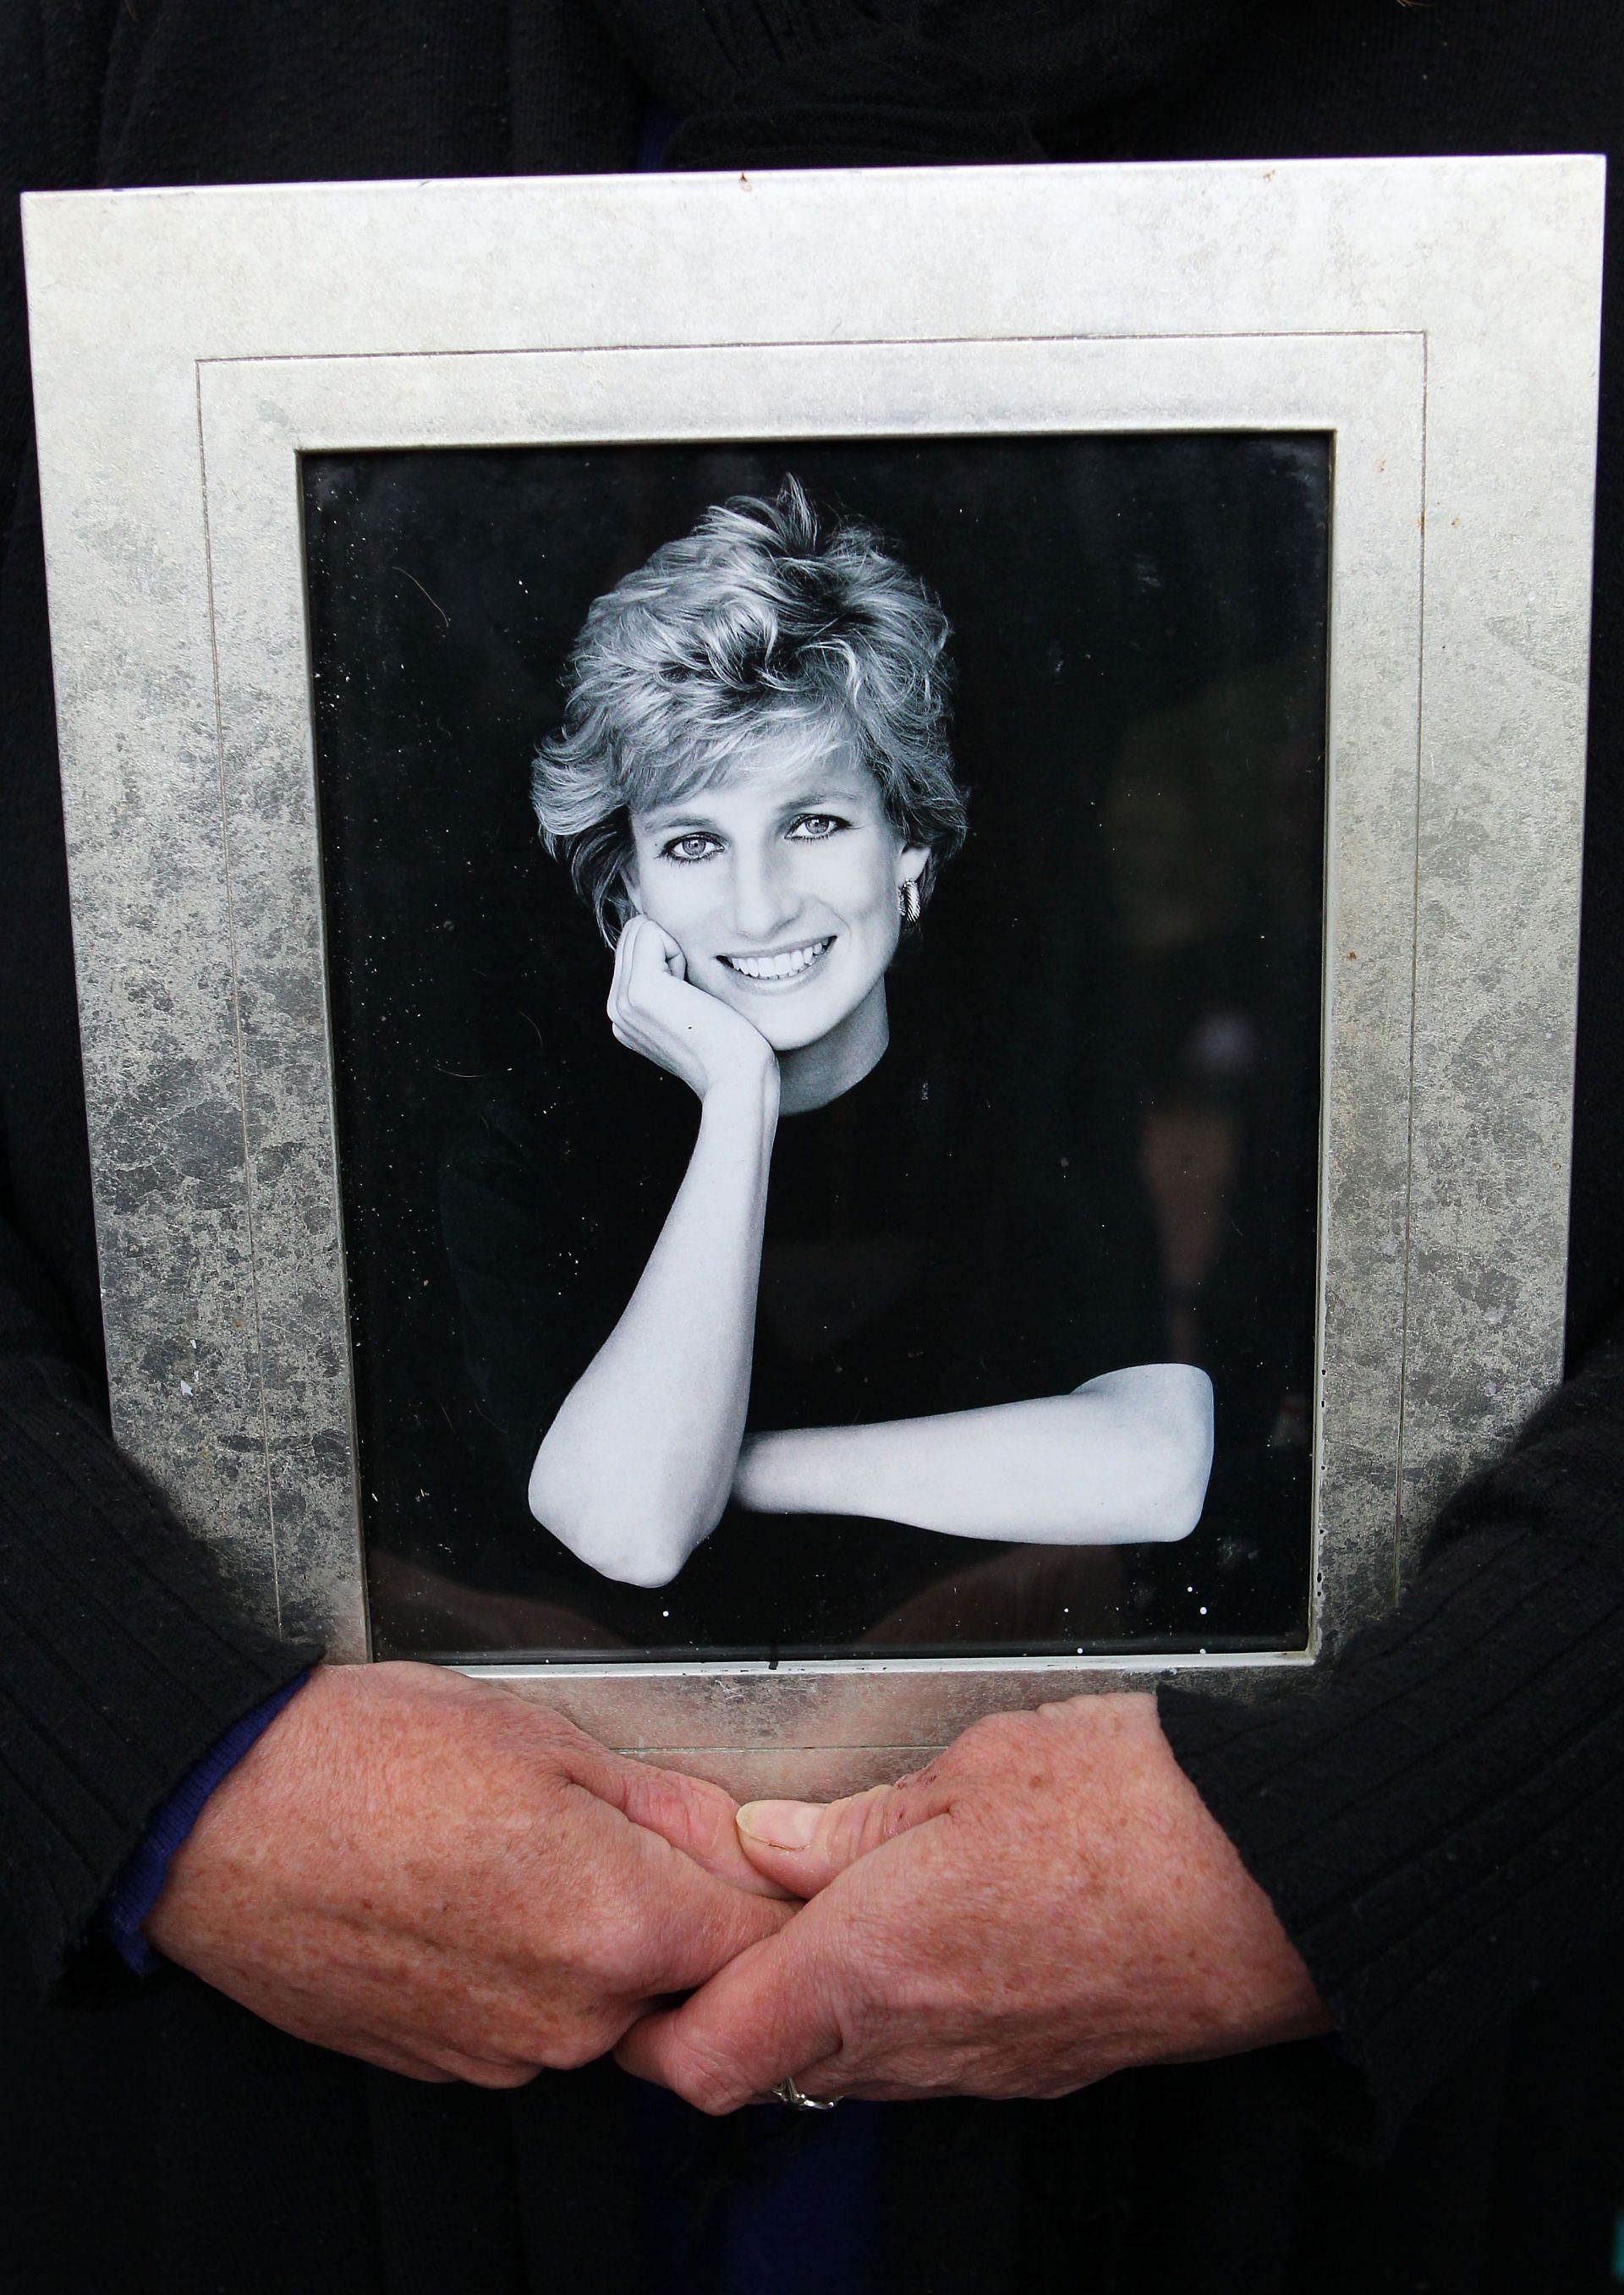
{"x": 747, "y": 1093}
{"x": 145, "y": 1877}
{"x": 1249, "y": 1985}
{"x": 792, "y": 1472}
{"x": 753, "y": 1474}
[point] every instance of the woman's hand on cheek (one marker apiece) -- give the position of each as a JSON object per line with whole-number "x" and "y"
{"x": 655, "y": 1009}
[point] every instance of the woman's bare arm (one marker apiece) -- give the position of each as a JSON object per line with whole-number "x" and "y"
{"x": 1122, "y": 1460}
{"x": 636, "y": 1467}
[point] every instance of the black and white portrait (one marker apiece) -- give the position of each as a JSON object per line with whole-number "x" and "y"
{"x": 826, "y": 976}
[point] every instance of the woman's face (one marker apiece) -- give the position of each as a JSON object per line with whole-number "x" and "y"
{"x": 780, "y": 885}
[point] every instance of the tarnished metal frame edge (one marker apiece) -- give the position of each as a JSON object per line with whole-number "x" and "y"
{"x": 1330, "y": 228}
{"x": 1364, "y": 391}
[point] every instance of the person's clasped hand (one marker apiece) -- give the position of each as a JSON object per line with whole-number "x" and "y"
{"x": 1047, "y": 1902}
{"x": 440, "y": 1877}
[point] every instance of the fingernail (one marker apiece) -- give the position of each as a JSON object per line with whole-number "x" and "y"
{"x": 779, "y": 1823}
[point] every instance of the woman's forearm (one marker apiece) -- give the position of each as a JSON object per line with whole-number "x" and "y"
{"x": 636, "y": 1468}
{"x": 1124, "y": 1459}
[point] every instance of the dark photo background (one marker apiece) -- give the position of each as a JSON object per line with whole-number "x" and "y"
{"x": 1128, "y": 949}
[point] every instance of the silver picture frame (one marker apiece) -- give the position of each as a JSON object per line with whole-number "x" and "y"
{"x": 1439, "y": 319}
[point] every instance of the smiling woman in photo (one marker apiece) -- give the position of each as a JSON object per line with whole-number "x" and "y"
{"x": 753, "y": 792}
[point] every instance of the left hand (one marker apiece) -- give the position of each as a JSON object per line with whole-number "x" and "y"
{"x": 1046, "y": 1902}
{"x": 438, "y": 1876}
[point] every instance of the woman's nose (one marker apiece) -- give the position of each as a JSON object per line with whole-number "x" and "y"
{"x": 764, "y": 899}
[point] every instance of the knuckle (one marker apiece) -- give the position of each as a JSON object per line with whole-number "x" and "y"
{"x": 555, "y": 1728}
{"x": 695, "y": 1814}
{"x": 612, "y": 1948}
{"x": 583, "y": 2041}
{"x": 898, "y": 1812}
{"x": 397, "y": 2060}
{"x": 501, "y": 2075}
{"x": 862, "y": 1822}
{"x": 997, "y": 1735}
{"x": 708, "y": 2084}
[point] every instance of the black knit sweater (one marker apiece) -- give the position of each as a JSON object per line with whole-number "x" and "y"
{"x": 1441, "y": 1826}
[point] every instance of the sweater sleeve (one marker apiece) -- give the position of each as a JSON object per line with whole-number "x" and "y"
{"x": 122, "y": 1660}
{"x": 1440, "y": 1827}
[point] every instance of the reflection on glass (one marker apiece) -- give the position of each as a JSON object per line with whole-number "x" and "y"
{"x": 1047, "y": 1110}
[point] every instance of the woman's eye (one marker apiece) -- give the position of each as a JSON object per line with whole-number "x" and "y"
{"x": 696, "y": 848}
{"x": 811, "y": 826}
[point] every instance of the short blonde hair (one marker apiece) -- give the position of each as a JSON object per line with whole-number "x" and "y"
{"x": 766, "y": 610}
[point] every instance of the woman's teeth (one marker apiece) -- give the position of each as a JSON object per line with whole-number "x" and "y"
{"x": 782, "y": 967}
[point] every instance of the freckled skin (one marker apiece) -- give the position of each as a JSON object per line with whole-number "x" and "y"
{"x": 440, "y": 1877}
{"x": 1047, "y": 1902}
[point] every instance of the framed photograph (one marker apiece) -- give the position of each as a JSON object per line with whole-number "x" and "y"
{"x": 827, "y": 923}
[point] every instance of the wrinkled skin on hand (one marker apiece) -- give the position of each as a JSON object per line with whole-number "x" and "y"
{"x": 1047, "y": 1902}
{"x": 440, "y": 1877}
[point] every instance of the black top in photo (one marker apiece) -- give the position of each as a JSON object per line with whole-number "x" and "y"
{"x": 897, "y": 1281}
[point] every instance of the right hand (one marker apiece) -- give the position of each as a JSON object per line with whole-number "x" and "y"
{"x": 442, "y": 1878}
{"x": 655, "y": 1009}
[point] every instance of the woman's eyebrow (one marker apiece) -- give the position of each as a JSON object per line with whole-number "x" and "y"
{"x": 819, "y": 797}
{"x": 672, "y": 816}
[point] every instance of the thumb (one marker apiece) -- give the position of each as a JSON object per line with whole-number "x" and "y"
{"x": 803, "y": 1845}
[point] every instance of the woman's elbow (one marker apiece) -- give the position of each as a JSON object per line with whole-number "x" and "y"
{"x": 1179, "y": 1451}
{"x": 633, "y": 1565}
{"x": 615, "y": 1536}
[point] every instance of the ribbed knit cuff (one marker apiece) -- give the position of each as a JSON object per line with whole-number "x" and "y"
{"x": 122, "y": 1661}
{"x": 1440, "y": 1824}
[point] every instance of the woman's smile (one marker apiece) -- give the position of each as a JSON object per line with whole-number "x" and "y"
{"x": 779, "y": 968}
